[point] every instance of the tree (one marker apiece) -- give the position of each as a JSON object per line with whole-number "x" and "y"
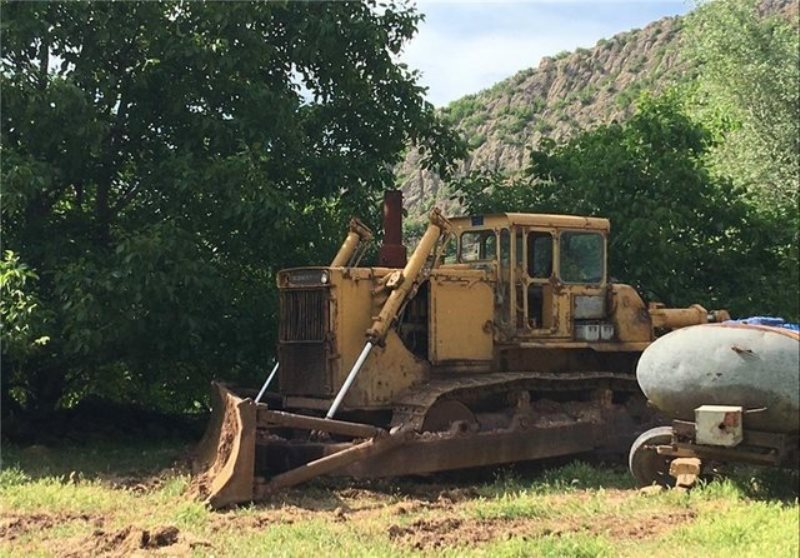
{"x": 748, "y": 85}
{"x": 162, "y": 160}
{"x": 679, "y": 234}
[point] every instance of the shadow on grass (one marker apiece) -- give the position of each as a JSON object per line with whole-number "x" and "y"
{"x": 763, "y": 483}
{"x": 139, "y": 460}
{"x": 100, "y": 460}
{"x": 544, "y": 476}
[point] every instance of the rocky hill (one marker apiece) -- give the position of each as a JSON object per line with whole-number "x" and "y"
{"x": 566, "y": 92}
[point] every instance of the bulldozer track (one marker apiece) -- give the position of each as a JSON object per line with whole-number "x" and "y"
{"x": 412, "y": 406}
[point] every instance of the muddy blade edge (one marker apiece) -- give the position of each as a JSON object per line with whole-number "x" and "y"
{"x": 224, "y": 460}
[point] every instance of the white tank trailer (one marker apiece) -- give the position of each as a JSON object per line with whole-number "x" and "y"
{"x": 732, "y": 391}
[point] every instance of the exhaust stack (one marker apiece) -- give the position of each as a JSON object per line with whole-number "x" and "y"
{"x": 392, "y": 252}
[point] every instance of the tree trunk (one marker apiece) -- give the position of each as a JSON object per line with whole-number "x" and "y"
{"x": 47, "y": 386}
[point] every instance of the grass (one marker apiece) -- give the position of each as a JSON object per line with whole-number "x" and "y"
{"x": 57, "y": 501}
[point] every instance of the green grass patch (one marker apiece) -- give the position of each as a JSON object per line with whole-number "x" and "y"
{"x": 577, "y": 509}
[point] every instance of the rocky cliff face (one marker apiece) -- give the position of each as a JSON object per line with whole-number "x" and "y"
{"x": 567, "y": 92}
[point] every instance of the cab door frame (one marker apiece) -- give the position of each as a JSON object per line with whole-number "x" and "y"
{"x": 523, "y": 281}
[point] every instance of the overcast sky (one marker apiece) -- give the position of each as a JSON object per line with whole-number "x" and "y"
{"x": 464, "y": 46}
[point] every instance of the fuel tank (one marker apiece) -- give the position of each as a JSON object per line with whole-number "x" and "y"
{"x": 753, "y": 366}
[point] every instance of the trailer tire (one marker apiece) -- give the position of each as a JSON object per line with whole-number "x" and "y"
{"x": 647, "y": 466}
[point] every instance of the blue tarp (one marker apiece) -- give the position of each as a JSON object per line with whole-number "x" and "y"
{"x": 766, "y": 321}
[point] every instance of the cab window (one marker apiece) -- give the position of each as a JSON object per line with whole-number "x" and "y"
{"x": 582, "y": 256}
{"x": 540, "y": 255}
{"x": 505, "y": 249}
{"x": 478, "y": 246}
{"x": 449, "y": 256}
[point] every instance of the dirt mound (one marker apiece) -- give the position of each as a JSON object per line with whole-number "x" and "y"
{"x": 15, "y": 525}
{"x": 426, "y": 534}
{"x": 123, "y": 542}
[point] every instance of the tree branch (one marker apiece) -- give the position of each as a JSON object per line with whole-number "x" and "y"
{"x": 125, "y": 198}
{"x": 44, "y": 60}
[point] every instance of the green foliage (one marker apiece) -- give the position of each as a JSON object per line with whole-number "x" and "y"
{"x": 543, "y": 126}
{"x": 413, "y": 230}
{"x": 477, "y": 140}
{"x": 160, "y": 163}
{"x": 628, "y": 96}
{"x": 678, "y": 233}
{"x": 522, "y": 75}
{"x": 637, "y": 64}
{"x": 751, "y": 73}
{"x": 23, "y": 319}
{"x": 461, "y": 109}
{"x": 474, "y": 120}
{"x": 586, "y": 95}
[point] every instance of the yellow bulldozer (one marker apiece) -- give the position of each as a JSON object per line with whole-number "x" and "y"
{"x": 499, "y": 339}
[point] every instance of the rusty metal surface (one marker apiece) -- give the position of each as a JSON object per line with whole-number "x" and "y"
{"x": 304, "y": 369}
{"x": 556, "y": 395}
{"x": 330, "y": 463}
{"x": 411, "y": 406}
{"x": 392, "y": 252}
{"x": 302, "y": 348}
{"x": 205, "y": 452}
{"x": 303, "y": 315}
{"x": 733, "y": 455}
{"x": 226, "y": 461}
{"x": 525, "y": 432}
{"x": 443, "y": 414}
{"x": 443, "y": 452}
{"x": 756, "y": 446}
{"x": 267, "y": 418}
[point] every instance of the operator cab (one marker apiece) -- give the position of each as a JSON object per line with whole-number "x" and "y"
{"x": 549, "y": 271}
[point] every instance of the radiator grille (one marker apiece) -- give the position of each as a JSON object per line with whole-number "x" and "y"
{"x": 303, "y": 315}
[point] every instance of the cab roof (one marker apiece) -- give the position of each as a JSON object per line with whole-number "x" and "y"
{"x": 532, "y": 220}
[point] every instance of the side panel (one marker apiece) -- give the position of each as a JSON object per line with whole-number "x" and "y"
{"x": 353, "y": 308}
{"x": 461, "y": 314}
{"x": 629, "y": 315}
{"x": 390, "y": 368}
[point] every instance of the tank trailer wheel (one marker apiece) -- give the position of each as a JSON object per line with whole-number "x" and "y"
{"x": 646, "y": 466}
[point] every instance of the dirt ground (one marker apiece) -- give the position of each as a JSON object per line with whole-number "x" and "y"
{"x": 563, "y": 509}
{"x": 438, "y": 524}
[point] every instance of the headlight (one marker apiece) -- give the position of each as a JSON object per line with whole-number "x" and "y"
{"x": 323, "y": 278}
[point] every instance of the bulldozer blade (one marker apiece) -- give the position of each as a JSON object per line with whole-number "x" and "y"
{"x": 334, "y": 461}
{"x": 224, "y": 460}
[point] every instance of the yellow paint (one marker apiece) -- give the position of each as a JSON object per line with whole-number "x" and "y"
{"x": 461, "y": 312}
{"x": 478, "y": 310}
